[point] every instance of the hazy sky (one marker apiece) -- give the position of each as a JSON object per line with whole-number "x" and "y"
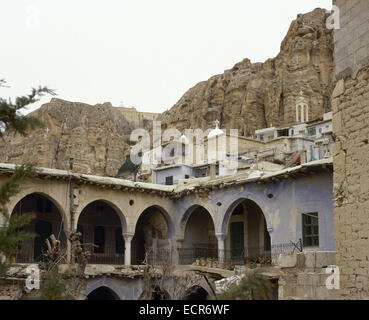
{"x": 146, "y": 53}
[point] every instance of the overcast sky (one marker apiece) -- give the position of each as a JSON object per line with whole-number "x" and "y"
{"x": 144, "y": 53}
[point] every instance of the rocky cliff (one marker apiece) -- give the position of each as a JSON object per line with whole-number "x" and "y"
{"x": 95, "y": 136}
{"x": 252, "y": 96}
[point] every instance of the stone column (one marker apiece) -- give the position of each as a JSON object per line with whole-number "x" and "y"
{"x": 127, "y": 244}
{"x": 221, "y": 246}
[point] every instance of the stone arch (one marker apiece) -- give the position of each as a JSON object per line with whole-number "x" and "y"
{"x": 117, "y": 210}
{"x": 199, "y": 239}
{"x": 154, "y": 230}
{"x": 102, "y": 293}
{"x": 103, "y": 224}
{"x": 21, "y": 195}
{"x": 232, "y": 204}
{"x": 49, "y": 219}
{"x": 197, "y": 292}
{"x": 246, "y": 229}
{"x": 186, "y": 215}
{"x": 102, "y": 283}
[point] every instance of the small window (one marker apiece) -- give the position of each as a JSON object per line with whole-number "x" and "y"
{"x": 187, "y": 176}
{"x": 169, "y": 181}
{"x": 312, "y": 131}
{"x": 310, "y": 229}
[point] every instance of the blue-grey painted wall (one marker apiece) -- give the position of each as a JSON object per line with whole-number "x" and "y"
{"x": 283, "y": 212}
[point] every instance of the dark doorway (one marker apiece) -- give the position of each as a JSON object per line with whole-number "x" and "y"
{"x": 43, "y": 230}
{"x": 197, "y": 293}
{"x": 158, "y": 294}
{"x": 237, "y": 239}
{"x": 102, "y": 293}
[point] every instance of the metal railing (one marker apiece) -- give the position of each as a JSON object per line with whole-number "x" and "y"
{"x": 200, "y": 253}
{"x": 211, "y": 256}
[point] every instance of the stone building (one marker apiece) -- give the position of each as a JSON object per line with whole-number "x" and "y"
{"x": 232, "y": 220}
{"x": 350, "y": 104}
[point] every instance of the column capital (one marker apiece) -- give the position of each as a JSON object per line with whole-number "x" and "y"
{"x": 128, "y": 236}
{"x": 221, "y": 236}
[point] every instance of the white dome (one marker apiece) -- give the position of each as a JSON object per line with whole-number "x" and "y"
{"x": 216, "y": 132}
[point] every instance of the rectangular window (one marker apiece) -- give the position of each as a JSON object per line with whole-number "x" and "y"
{"x": 169, "y": 181}
{"x": 312, "y": 131}
{"x": 187, "y": 176}
{"x": 310, "y": 229}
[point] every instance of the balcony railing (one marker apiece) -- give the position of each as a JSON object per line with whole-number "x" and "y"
{"x": 199, "y": 253}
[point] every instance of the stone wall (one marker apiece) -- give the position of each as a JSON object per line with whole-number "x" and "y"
{"x": 137, "y": 118}
{"x": 352, "y": 39}
{"x": 9, "y": 289}
{"x": 351, "y": 171}
{"x": 350, "y": 104}
{"x": 303, "y": 276}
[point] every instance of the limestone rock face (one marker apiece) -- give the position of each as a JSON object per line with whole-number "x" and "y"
{"x": 95, "y": 136}
{"x": 252, "y": 96}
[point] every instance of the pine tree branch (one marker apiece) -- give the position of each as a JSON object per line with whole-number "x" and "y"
{"x": 9, "y": 111}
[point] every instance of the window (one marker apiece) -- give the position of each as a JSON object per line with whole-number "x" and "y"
{"x": 187, "y": 176}
{"x": 169, "y": 181}
{"x": 310, "y": 229}
{"x": 312, "y": 131}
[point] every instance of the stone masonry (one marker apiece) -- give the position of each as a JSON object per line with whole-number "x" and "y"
{"x": 350, "y": 104}
{"x": 352, "y": 39}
